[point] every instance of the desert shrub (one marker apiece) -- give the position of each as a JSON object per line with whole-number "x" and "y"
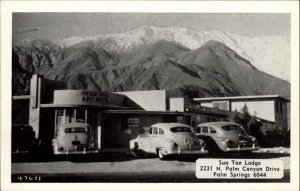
{"x": 273, "y": 138}
{"x": 243, "y": 118}
{"x": 270, "y": 137}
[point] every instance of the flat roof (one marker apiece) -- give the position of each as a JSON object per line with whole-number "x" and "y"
{"x": 208, "y": 111}
{"x": 21, "y": 97}
{"x": 262, "y": 119}
{"x": 242, "y": 98}
{"x": 111, "y": 109}
{"x": 104, "y": 106}
{"x": 141, "y": 112}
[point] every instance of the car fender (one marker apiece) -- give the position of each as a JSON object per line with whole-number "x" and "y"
{"x": 217, "y": 142}
{"x": 143, "y": 144}
{"x": 165, "y": 146}
{"x": 251, "y": 137}
{"x": 132, "y": 144}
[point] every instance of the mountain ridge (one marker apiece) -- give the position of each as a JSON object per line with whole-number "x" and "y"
{"x": 213, "y": 69}
{"x": 270, "y": 54}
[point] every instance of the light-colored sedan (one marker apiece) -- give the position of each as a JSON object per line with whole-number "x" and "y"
{"x": 166, "y": 139}
{"x": 226, "y": 137}
{"x": 73, "y": 138}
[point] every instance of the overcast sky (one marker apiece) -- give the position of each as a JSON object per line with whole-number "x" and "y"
{"x": 54, "y": 26}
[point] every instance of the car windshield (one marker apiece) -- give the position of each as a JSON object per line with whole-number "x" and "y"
{"x": 180, "y": 129}
{"x": 231, "y": 127}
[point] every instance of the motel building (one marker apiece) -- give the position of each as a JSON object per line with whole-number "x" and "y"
{"x": 271, "y": 109}
{"x": 116, "y": 118}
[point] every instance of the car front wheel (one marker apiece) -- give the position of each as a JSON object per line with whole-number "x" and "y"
{"x": 161, "y": 154}
{"x": 138, "y": 152}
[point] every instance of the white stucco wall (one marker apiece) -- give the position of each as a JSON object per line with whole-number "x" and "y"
{"x": 153, "y": 100}
{"x": 177, "y": 104}
{"x": 282, "y": 117}
{"x": 263, "y": 109}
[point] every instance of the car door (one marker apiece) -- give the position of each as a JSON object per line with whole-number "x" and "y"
{"x": 203, "y": 133}
{"x": 145, "y": 141}
{"x": 160, "y": 138}
{"x": 212, "y": 132}
{"x": 154, "y": 138}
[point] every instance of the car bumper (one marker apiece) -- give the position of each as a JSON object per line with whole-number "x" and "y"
{"x": 192, "y": 152}
{"x": 243, "y": 148}
{"x": 75, "y": 152}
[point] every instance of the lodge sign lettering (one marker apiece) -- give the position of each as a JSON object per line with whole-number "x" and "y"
{"x": 93, "y": 99}
{"x": 84, "y": 97}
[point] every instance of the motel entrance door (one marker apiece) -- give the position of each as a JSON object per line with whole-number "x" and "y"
{"x": 114, "y": 134}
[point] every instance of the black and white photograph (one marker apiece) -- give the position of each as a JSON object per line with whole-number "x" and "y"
{"x": 150, "y": 96}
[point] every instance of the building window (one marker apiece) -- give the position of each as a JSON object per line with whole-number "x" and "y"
{"x": 224, "y": 105}
{"x": 276, "y": 106}
{"x": 204, "y": 129}
{"x": 208, "y": 119}
{"x": 188, "y": 119}
{"x": 193, "y": 123}
{"x": 179, "y": 119}
{"x": 280, "y": 107}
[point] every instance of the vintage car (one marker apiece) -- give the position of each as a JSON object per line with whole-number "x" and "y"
{"x": 225, "y": 137}
{"x": 166, "y": 139}
{"x": 72, "y": 138}
{"x": 23, "y": 138}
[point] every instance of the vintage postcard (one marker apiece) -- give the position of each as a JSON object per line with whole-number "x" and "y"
{"x": 149, "y": 95}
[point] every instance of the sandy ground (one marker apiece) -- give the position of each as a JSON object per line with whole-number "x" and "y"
{"x": 102, "y": 163}
{"x": 278, "y": 150}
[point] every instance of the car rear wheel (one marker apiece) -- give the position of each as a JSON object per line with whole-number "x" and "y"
{"x": 161, "y": 154}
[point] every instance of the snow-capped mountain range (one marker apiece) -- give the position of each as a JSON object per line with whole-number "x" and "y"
{"x": 270, "y": 54}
